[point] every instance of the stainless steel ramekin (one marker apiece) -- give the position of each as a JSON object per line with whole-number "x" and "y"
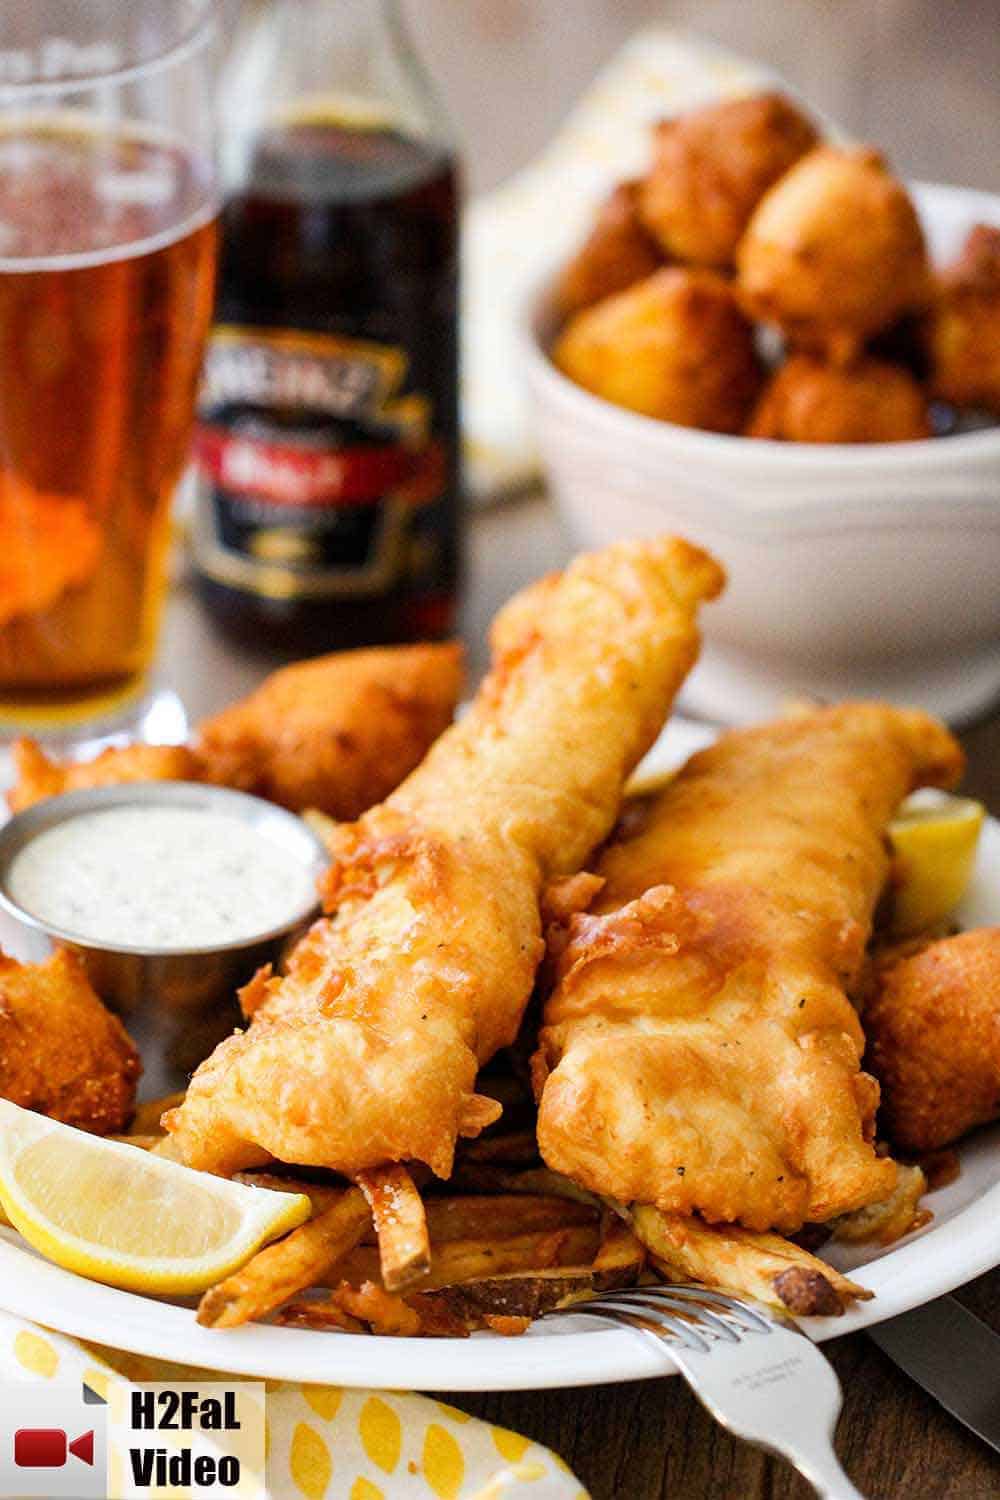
{"x": 185, "y": 982}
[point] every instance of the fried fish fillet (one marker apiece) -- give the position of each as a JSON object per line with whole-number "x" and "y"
{"x": 699, "y": 1051}
{"x": 367, "y": 1049}
{"x": 932, "y": 1019}
{"x": 337, "y": 733}
{"x": 61, "y": 1053}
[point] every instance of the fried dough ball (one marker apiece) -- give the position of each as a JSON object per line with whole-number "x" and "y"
{"x": 808, "y": 401}
{"x": 675, "y": 346}
{"x": 964, "y": 334}
{"x": 711, "y": 169}
{"x": 61, "y": 1053}
{"x": 834, "y": 252}
{"x": 933, "y": 1028}
{"x": 618, "y": 252}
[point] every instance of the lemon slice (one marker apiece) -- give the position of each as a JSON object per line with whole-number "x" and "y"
{"x": 116, "y": 1214}
{"x": 934, "y": 839}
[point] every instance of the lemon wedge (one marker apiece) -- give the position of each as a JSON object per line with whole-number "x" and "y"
{"x": 127, "y": 1217}
{"x": 934, "y": 839}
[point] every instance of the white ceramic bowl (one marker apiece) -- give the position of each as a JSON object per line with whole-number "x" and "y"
{"x": 867, "y": 569}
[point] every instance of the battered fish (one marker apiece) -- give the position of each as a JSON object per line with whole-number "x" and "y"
{"x": 699, "y": 1051}
{"x": 61, "y": 1053}
{"x": 367, "y": 1050}
{"x": 337, "y": 733}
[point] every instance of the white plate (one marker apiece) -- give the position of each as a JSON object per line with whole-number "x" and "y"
{"x": 960, "y": 1243}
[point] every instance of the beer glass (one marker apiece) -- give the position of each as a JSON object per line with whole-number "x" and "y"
{"x": 107, "y": 254}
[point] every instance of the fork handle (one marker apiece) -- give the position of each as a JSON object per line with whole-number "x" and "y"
{"x": 779, "y": 1391}
{"x": 822, "y": 1469}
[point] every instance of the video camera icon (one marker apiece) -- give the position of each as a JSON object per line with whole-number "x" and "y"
{"x": 50, "y": 1448}
{"x": 53, "y": 1441}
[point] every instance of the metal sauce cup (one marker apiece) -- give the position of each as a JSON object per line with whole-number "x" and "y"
{"x": 184, "y": 999}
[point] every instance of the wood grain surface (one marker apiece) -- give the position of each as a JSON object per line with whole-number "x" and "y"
{"x": 922, "y": 78}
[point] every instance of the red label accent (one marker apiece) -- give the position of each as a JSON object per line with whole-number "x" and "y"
{"x": 83, "y": 1448}
{"x": 40, "y": 1448}
{"x": 287, "y": 475}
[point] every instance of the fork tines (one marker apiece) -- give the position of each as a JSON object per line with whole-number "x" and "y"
{"x": 693, "y": 1315}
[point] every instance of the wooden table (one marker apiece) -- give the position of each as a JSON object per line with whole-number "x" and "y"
{"x": 920, "y": 78}
{"x": 651, "y": 1440}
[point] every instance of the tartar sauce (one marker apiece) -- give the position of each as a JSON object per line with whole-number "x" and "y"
{"x": 160, "y": 877}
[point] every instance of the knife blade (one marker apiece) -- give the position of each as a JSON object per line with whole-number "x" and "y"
{"x": 954, "y": 1356}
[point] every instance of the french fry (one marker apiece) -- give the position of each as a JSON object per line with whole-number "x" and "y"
{"x": 455, "y": 1261}
{"x": 319, "y": 1312}
{"x": 146, "y": 1120}
{"x": 488, "y": 1179}
{"x": 400, "y": 1225}
{"x": 320, "y": 1195}
{"x": 506, "y": 1303}
{"x": 884, "y": 1222}
{"x": 302, "y": 1259}
{"x": 517, "y": 1146}
{"x": 385, "y": 1312}
{"x": 469, "y": 1216}
{"x": 473, "y": 1260}
{"x": 620, "y": 1248}
{"x": 472, "y": 1237}
{"x": 140, "y": 1142}
{"x": 525, "y": 1294}
{"x": 500, "y": 1216}
{"x": 760, "y": 1265}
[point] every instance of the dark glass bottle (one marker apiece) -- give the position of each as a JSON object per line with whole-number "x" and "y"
{"x": 329, "y": 504}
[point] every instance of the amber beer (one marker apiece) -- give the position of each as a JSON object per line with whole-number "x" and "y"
{"x": 107, "y": 248}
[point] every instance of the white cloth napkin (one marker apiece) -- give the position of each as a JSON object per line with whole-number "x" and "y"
{"x": 516, "y": 233}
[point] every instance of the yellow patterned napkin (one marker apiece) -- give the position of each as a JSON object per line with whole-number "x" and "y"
{"x": 514, "y": 235}
{"x": 322, "y": 1443}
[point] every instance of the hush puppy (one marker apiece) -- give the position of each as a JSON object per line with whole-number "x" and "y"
{"x": 711, "y": 168}
{"x": 617, "y": 253}
{"x": 808, "y": 401}
{"x": 675, "y": 346}
{"x": 933, "y": 1026}
{"x": 964, "y": 326}
{"x": 834, "y": 252}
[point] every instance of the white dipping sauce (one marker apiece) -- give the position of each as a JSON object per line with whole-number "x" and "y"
{"x": 160, "y": 877}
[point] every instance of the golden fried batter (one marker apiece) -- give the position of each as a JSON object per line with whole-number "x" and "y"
{"x": 933, "y": 1025}
{"x": 39, "y": 776}
{"x": 617, "y": 252}
{"x": 699, "y": 1050}
{"x": 965, "y": 325}
{"x": 61, "y": 1053}
{"x": 711, "y": 169}
{"x": 367, "y": 1050}
{"x": 675, "y": 346}
{"x": 834, "y": 252}
{"x": 336, "y": 733}
{"x": 809, "y": 401}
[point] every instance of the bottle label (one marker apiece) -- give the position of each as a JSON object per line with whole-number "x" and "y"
{"x": 313, "y": 462}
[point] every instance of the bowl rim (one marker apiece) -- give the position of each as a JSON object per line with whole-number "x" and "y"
{"x": 18, "y": 831}
{"x": 766, "y": 455}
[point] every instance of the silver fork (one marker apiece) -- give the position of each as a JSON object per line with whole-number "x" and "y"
{"x": 753, "y": 1368}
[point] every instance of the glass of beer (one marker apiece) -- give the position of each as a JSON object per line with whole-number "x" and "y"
{"x": 107, "y": 256}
